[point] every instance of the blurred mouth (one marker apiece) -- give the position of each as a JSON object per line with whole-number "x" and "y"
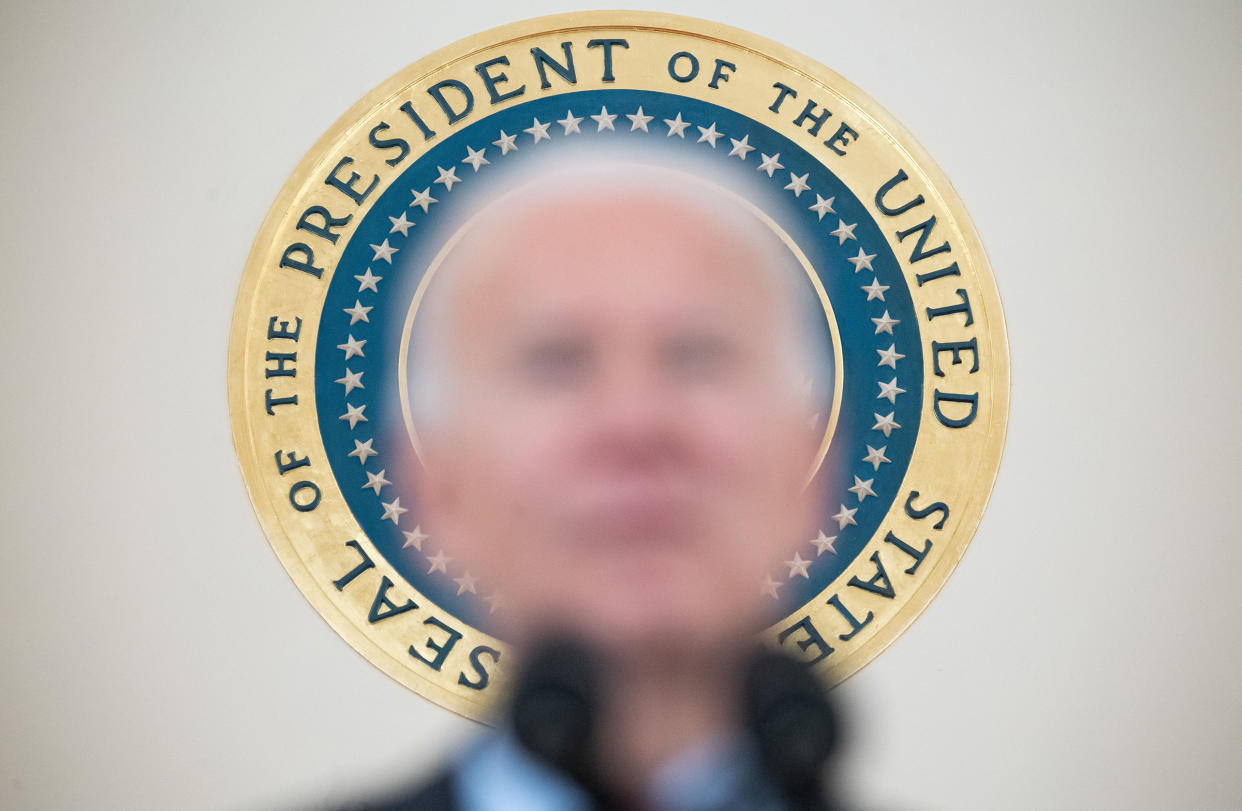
{"x": 636, "y": 516}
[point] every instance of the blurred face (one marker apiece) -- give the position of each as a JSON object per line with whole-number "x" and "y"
{"x": 626, "y": 451}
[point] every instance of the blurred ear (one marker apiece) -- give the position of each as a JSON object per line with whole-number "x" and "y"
{"x": 808, "y": 507}
{"x": 808, "y": 498}
{"x": 450, "y": 497}
{"x": 439, "y": 491}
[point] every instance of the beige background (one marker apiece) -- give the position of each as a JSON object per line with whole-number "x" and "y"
{"x": 1084, "y": 656}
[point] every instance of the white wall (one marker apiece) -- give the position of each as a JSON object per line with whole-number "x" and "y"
{"x": 1085, "y": 655}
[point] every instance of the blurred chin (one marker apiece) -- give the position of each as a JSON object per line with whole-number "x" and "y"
{"x": 647, "y": 606}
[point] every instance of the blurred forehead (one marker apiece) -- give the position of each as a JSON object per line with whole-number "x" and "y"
{"x": 612, "y": 244}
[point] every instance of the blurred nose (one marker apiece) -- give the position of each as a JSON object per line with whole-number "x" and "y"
{"x": 634, "y": 419}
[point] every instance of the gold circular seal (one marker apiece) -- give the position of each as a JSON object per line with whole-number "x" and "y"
{"x": 913, "y": 399}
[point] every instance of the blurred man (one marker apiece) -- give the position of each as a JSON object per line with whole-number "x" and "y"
{"x": 610, "y": 369}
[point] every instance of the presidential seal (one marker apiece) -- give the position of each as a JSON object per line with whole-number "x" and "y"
{"x": 903, "y": 362}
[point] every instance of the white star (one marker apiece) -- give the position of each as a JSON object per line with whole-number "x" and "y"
{"x": 863, "y": 260}
{"x": 770, "y": 163}
{"x": 875, "y": 290}
{"x": 423, "y": 199}
{"x": 889, "y": 391}
{"x": 448, "y": 177}
{"x": 400, "y": 224}
{"x": 884, "y": 424}
{"x": 876, "y": 456}
{"x": 351, "y": 381}
{"x": 843, "y": 233}
{"x": 825, "y": 543}
{"x": 797, "y": 185}
{"x": 676, "y": 126}
{"x": 539, "y": 130}
{"x": 439, "y": 562}
{"x": 884, "y": 323}
{"x": 495, "y": 602}
{"x": 507, "y": 143}
{"x": 354, "y": 415}
{"x": 845, "y": 517}
{"x": 769, "y": 587}
{"x": 862, "y": 489}
{"x": 376, "y": 481}
{"x": 368, "y": 280}
{"x": 638, "y": 121}
{"x": 352, "y": 347}
{"x": 740, "y": 148}
{"x": 358, "y": 313}
{"x": 823, "y": 205}
{"x": 604, "y": 120}
{"x": 475, "y": 158}
{"x": 363, "y": 450}
{"x": 710, "y": 134}
{"x": 383, "y": 251}
{"x": 392, "y": 510}
{"x": 570, "y": 122}
{"x": 415, "y": 538}
{"x": 797, "y": 567}
{"x": 889, "y": 357}
{"x": 465, "y": 583}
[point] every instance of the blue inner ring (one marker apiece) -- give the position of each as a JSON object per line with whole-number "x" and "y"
{"x": 854, "y": 314}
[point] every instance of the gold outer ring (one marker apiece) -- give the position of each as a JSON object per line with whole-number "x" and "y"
{"x": 955, "y": 467}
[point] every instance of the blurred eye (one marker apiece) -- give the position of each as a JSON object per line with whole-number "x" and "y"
{"x": 700, "y": 357}
{"x": 556, "y": 362}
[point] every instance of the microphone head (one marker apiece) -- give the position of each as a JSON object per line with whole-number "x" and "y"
{"x": 790, "y": 719}
{"x": 556, "y": 704}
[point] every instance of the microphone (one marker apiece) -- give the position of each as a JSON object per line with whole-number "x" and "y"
{"x": 555, "y": 709}
{"x": 790, "y": 720}
{"x": 558, "y": 695}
